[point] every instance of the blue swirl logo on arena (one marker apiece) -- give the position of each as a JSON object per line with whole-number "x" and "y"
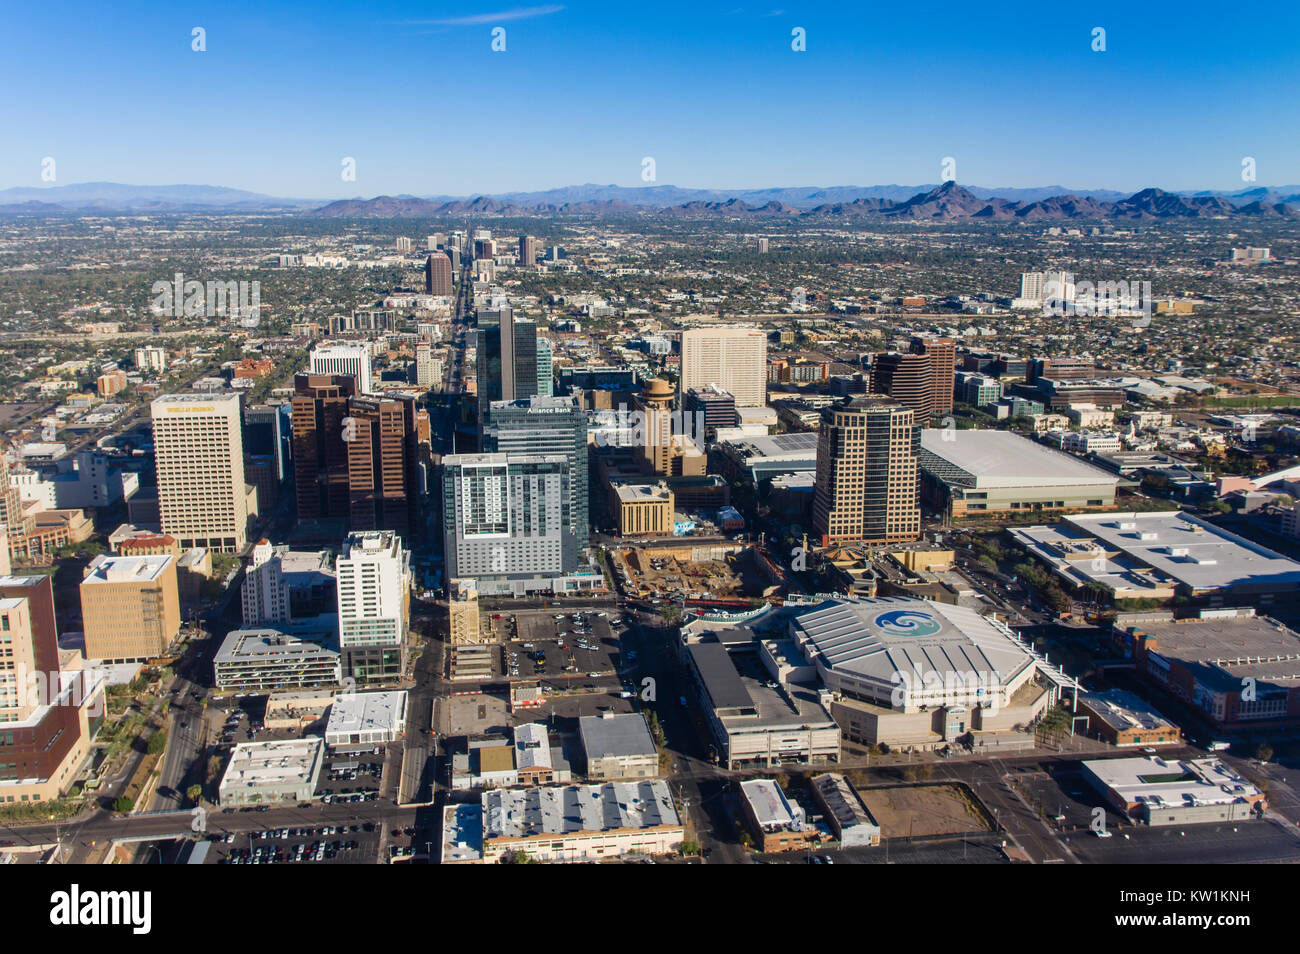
{"x": 907, "y": 623}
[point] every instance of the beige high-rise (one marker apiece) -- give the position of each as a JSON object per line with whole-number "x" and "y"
{"x": 203, "y": 500}
{"x": 734, "y": 359}
{"x": 130, "y": 607}
{"x": 866, "y": 488}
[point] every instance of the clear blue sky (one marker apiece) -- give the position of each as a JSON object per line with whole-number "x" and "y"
{"x": 713, "y": 91}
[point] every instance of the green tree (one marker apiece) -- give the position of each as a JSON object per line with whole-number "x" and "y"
{"x": 157, "y": 742}
{"x": 123, "y": 804}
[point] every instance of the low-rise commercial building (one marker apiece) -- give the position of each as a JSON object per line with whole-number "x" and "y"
{"x": 266, "y": 772}
{"x": 1124, "y": 719}
{"x": 847, "y": 817}
{"x": 1240, "y": 672}
{"x": 366, "y": 718}
{"x": 1160, "y": 792}
{"x": 1161, "y": 554}
{"x": 565, "y": 823}
{"x": 969, "y": 472}
{"x": 775, "y": 822}
{"x": 618, "y": 746}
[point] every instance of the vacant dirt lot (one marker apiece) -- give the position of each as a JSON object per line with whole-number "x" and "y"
{"x": 922, "y": 811}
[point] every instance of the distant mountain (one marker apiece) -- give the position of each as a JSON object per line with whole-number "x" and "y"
{"x": 948, "y": 202}
{"x": 945, "y": 202}
{"x": 114, "y": 196}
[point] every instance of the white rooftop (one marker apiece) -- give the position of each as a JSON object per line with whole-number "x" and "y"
{"x": 1177, "y": 545}
{"x": 367, "y": 712}
{"x": 276, "y": 763}
{"x": 1005, "y": 459}
{"x": 1159, "y": 782}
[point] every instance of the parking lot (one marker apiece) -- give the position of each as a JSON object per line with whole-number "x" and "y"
{"x": 567, "y": 647}
{"x": 356, "y": 843}
{"x": 351, "y": 777}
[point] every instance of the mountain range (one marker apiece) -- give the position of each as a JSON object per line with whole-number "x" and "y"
{"x": 946, "y": 202}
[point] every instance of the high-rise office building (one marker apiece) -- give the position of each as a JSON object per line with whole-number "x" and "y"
{"x": 48, "y": 713}
{"x": 320, "y": 455}
{"x": 130, "y": 607}
{"x": 484, "y": 248}
{"x": 907, "y": 378}
{"x": 866, "y": 484}
{"x": 424, "y": 365}
{"x": 734, "y": 359}
{"x": 942, "y": 353}
{"x": 203, "y": 500}
{"x": 545, "y": 368}
{"x": 507, "y": 356}
{"x": 374, "y": 604}
{"x": 268, "y": 433}
{"x": 528, "y": 247}
{"x": 383, "y": 484}
{"x": 437, "y": 275}
{"x": 714, "y": 406}
{"x": 363, "y": 459}
{"x": 543, "y": 427}
{"x": 343, "y": 359}
{"x": 506, "y": 517}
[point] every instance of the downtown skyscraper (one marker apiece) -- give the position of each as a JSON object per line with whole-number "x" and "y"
{"x": 866, "y": 488}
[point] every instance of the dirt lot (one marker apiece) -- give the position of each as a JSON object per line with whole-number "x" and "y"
{"x": 673, "y": 571}
{"x": 922, "y": 811}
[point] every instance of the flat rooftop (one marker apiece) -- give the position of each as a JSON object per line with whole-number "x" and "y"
{"x": 570, "y": 809}
{"x": 367, "y": 712}
{"x": 1159, "y": 782}
{"x": 1224, "y": 650}
{"x": 1124, "y": 711}
{"x": 275, "y": 763}
{"x": 301, "y": 638}
{"x": 991, "y": 459}
{"x": 615, "y": 736}
{"x": 125, "y": 569}
{"x": 1191, "y": 551}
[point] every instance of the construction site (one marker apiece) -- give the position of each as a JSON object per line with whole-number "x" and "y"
{"x": 724, "y": 571}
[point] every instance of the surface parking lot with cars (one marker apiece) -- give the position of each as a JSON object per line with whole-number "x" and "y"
{"x": 574, "y": 645}
{"x": 356, "y": 843}
{"x": 351, "y": 777}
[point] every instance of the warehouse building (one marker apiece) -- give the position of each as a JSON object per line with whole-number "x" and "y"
{"x": 565, "y": 823}
{"x": 967, "y": 472}
{"x": 1124, "y": 719}
{"x": 847, "y": 816}
{"x": 1159, "y": 792}
{"x": 266, "y": 772}
{"x": 1162, "y": 554}
{"x": 1239, "y": 671}
{"x": 618, "y": 746}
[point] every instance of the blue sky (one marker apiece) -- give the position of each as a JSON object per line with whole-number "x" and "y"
{"x": 713, "y": 91}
